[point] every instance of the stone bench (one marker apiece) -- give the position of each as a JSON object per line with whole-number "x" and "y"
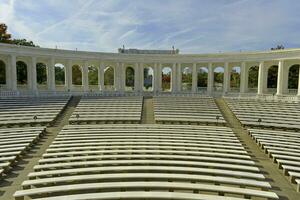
{"x": 149, "y": 162}
{"x": 116, "y": 169}
{"x": 148, "y": 156}
{"x": 146, "y": 185}
{"x": 148, "y": 176}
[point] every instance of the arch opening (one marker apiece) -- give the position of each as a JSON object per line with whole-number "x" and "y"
{"x": 293, "y": 79}
{"x": 166, "y": 76}
{"x": 272, "y": 79}
{"x": 218, "y": 78}
{"x": 253, "y": 78}
{"x": 59, "y": 74}
{"x": 109, "y": 78}
{"x": 93, "y": 77}
{"x": 76, "y": 75}
{"x": 202, "y": 76}
{"x": 129, "y": 79}
{"x": 186, "y": 79}
{"x": 148, "y": 79}
{"x": 41, "y": 75}
{"x": 22, "y": 74}
{"x": 235, "y": 78}
{"x": 2, "y": 74}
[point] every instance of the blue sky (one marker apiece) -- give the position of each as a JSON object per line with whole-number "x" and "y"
{"x": 193, "y": 26}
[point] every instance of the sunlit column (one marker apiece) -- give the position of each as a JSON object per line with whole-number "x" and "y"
{"x": 122, "y": 77}
{"x": 280, "y": 78}
{"x": 210, "y": 78}
{"x": 117, "y": 76}
{"x": 174, "y": 78}
{"x": 68, "y": 76}
{"x": 261, "y": 74}
{"x": 194, "y": 78}
{"x": 51, "y": 74}
{"x": 33, "y": 74}
{"x": 243, "y": 84}
{"x": 85, "y": 76}
{"x": 159, "y": 77}
{"x": 136, "y": 77}
{"x": 141, "y": 77}
{"x": 155, "y": 78}
{"x": 101, "y": 76}
{"x": 13, "y": 74}
{"x": 179, "y": 77}
{"x": 226, "y": 81}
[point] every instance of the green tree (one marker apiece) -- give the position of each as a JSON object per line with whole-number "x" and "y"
{"x": 4, "y": 36}
{"x": 93, "y": 75}
{"x": 41, "y": 71}
{"x": 59, "y": 75}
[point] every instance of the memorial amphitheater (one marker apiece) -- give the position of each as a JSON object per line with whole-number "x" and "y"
{"x": 157, "y": 134}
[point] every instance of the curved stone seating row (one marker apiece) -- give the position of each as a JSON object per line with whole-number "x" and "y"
{"x": 258, "y": 113}
{"x": 22, "y": 111}
{"x": 284, "y": 148}
{"x": 14, "y": 142}
{"x": 186, "y": 110}
{"x": 145, "y": 162}
{"x": 108, "y": 110}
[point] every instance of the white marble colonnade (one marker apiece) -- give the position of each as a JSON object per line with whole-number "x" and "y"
{"x": 120, "y": 72}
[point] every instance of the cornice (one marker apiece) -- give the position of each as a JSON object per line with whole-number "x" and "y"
{"x": 254, "y": 56}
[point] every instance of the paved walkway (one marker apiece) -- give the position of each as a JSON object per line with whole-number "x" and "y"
{"x": 280, "y": 183}
{"x": 12, "y": 182}
{"x": 148, "y": 112}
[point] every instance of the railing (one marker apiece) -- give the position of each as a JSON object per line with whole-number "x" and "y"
{"x": 42, "y": 87}
{"x": 271, "y": 90}
{"x": 3, "y": 87}
{"x": 252, "y": 90}
{"x": 292, "y": 91}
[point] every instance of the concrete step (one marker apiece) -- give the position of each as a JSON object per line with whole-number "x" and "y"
{"x": 148, "y": 111}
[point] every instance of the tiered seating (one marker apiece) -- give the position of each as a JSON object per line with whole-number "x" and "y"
{"x": 283, "y": 147}
{"x": 20, "y": 111}
{"x": 145, "y": 162}
{"x": 190, "y": 110}
{"x": 14, "y": 142}
{"x": 108, "y": 110}
{"x": 271, "y": 113}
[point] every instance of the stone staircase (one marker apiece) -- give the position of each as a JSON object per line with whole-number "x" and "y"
{"x": 148, "y": 111}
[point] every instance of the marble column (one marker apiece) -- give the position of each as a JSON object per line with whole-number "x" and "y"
{"x": 243, "y": 74}
{"x": 210, "y": 79}
{"x": 101, "y": 76}
{"x": 13, "y": 64}
{"x": 159, "y": 77}
{"x": 280, "y": 84}
{"x": 51, "y": 74}
{"x": 68, "y": 76}
{"x": 141, "y": 77}
{"x": 85, "y": 76}
{"x": 136, "y": 78}
{"x": 261, "y": 77}
{"x": 226, "y": 81}
{"x": 155, "y": 78}
{"x": 33, "y": 74}
{"x": 117, "y": 77}
{"x": 174, "y": 78}
{"x": 122, "y": 77}
{"x": 194, "y": 78}
{"x": 179, "y": 77}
